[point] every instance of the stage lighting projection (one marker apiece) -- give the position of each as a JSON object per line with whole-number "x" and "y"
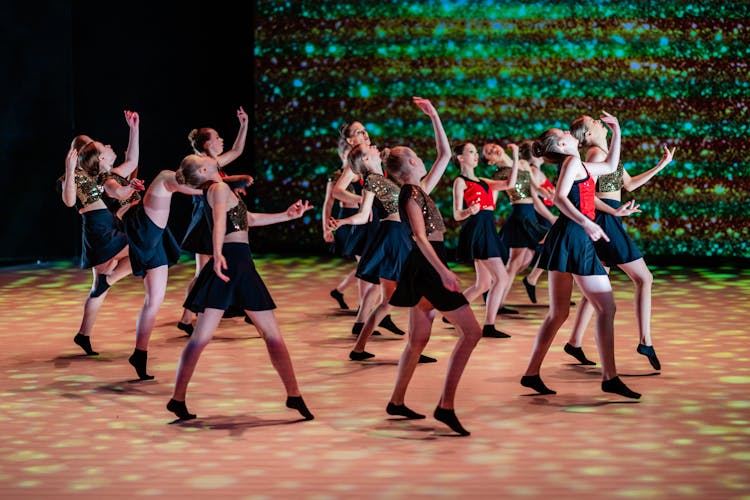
{"x": 674, "y": 74}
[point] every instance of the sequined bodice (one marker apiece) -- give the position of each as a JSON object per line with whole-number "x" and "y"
{"x": 611, "y": 182}
{"x": 237, "y": 217}
{"x": 521, "y": 189}
{"x": 385, "y": 190}
{"x": 433, "y": 220}
{"x": 87, "y": 190}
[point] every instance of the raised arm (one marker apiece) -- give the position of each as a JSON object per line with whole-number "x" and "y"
{"x": 69, "y": 181}
{"x": 339, "y": 190}
{"x": 119, "y": 192}
{"x": 430, "y": 180}
{"x": 127, "y": 167}
{"x": 459, "y": 213}
{"x": 239, "y": 143}
{"x": 504, "y": 185}
{"x": 633, "y": 183}
{"x": 610, "y": 163}
{"x": 294, "y": 211}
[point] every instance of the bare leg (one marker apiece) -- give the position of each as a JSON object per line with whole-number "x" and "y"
{"x": 370, "y": 296}
{"x": 495, "y": 268}
{"x": 470, "y": 333}
{"x": 420, "y": 327}
{"x": 520, "y": 258}
{"x": 584, "y": 311}
{"x": 204, "y": 331}
{"x": 643, "y": 279}
{"x": 337, "y": 293}
{"x": 482, "y": 283}
{"x": 155, "y": 283}
{"x": 377, "y": 314}
{"x": 187, "y": 314}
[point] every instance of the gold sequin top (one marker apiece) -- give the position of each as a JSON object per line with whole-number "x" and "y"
{"x": 611, "y": 182}
{"x": 113, "y": 203}
{"x": 385, "y": 190}
{"x": 237, "y": 217}
{"x": 87, "y": 190}
{"x": 433, "y": 220}
{"x": 522, "y": 188}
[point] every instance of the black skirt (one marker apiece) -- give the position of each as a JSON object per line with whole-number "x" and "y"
{"x": 522, "y": 229}
{"x": 198, "y": 237}
{"x": 620, "y": 249}
{"x": 569, "y": 249}
{"x": 478, "y": 238}
{"x": 387, "y": 254}
{"x": 244, "y": 291}
{"x": 101, "y": 239}
{"x": 419, "y": 279}
{"x": 150, "y": 245}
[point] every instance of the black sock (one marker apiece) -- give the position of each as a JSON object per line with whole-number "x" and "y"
{"x": 185, "y": 327}
{"x": 506, "y": 310}
{"x": 617, "y": 386}
{"x": 101, "y": 286}
{"x": 426, "y": 359}
{"x": 648, "y": 351}
{"x": 535, "y": 382}
{"x": 297, "y": 403}
{"x": 530, "y": 290}
{"x": 490, "y": 331}
{"x": 388, "y": 324}
{"x": 357, "y": 328}
{"x": 402, "y": 411}
{"x": 360, "y": 356}
{"x": 449, "y": 418}
{"x": 85, "y": 342}
{"x": 577, "y": 353}
{"x": 138, "y": 360}
{"x": 179, "y": 409}
{"x": 339, "y": 298}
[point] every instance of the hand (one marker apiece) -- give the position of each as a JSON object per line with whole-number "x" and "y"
{"x": 628, "y": 208}
{"x": 298, "y": 208}
{"x": 71, "y": 160}
{"x": 242, "y": 184}
{"x": 426, "y": 106}
{"x": 667, "y": 158}
{"x": 137, "y": 184}
{"x": 131, "y": 118}
{"x": 450, "y": 281}
{"x": 474, "y": 208}
{"x": 610, "y": 121}
{"x": 332, "y": 224}
{"x": 220, "y": 264}
{"x": 594, "y": 231}
{"x": 242, "y": 115}
{"x": 514, "y": 149}
{"x": 328, "y": 236}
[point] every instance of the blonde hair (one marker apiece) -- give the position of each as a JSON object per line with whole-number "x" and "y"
{"x": 394, "y": 160}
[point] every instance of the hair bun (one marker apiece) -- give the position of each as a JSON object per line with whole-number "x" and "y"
{"x": 537, "y": 149}
{"x": 385, "y": 154}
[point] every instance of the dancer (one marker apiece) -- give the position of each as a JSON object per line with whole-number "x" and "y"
{"x": 230, "y": 278}
{"x": 426, "y": 283}
{"x": 474, "y": 203}
{"x": 197, "y": 239}
{"x": 522, "y": 231}
{"x": 104, "y": 247}
{"x": 569, "y": 254}
{"x": 620, "y": 250}
{"x": 339, "y": 239}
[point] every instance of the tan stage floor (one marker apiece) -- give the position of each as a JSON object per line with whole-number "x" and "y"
{"x": 80, "y": 427}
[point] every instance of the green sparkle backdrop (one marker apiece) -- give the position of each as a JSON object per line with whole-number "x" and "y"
{"x": 675, "y": 74}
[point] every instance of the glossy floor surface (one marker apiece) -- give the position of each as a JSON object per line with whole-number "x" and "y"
{"x": 81, "y": 427}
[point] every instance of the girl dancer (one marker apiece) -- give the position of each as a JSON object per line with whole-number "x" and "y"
{"x": 206, "y": 141}
{"x": 474, "y": 202}
{"x": 230, "y": 279}
{"x": 426, "y": 283}
{"x": 569, "y": 254}
{"x": 620, "y": 250}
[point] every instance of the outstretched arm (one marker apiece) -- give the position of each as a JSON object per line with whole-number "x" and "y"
{"x": 127, "y": 167}
{"x": 294, "y": 211}
{"x": 238, "y": 147}
{"x": 432, "y": 178}
{"x": 633, "y": 183}
{"x": 361, "y": 217}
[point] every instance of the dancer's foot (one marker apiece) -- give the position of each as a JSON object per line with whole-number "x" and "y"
{"x": 426, "y": 359}
{"x": 138, "y": 359}
{"x": 530, "y": 290}
{"x": 506, "y": 310}
{"x": 617, "y": 386}
{"x": 648, "y": 351}
{"x": 185, "y": 327}
{"x": 360, "y": 356}
{"x": 389, "y": 325}
{"x": 449, "y": 418}
{"x": 402, "y": 411}
{"x": 179, "y": 409}
{"x": 577, "y": 352}
{"x": 297, "y": 403}
{"x": 490, "y": 331}
{"x": 102, "y": 285}
{"x": 339, "y": 298}
{"x": 248, "y": 320}
{"x": 535, "y": 382}
{"x": 357, "y": 328}
{"x": 84, "y": 341}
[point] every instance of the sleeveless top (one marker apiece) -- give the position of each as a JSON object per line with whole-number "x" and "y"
{"x": 87, "y": 190}
{"x": 386, "y": 193}
{"x": 582, "y": 195}
{"x": 478, "y": 190}
{"x": 113, "y": 203}
{"x": 433, "y": 220}
{"x": 237, "y": 217}
{"x": 521, "y": 189}
{"x": 611, "y": 182}
{"x": 547, "y": 185}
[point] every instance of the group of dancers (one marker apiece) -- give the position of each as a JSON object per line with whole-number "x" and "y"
{"x": 390, "y": 224}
